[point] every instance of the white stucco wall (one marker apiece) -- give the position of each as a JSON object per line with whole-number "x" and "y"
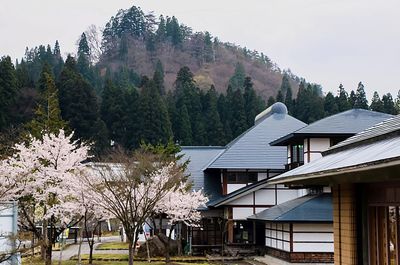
{"x": 316, "y": 237}
{"x": 241, "y": 213}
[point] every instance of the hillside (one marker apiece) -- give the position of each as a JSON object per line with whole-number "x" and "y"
{"x": 137, "y": 41}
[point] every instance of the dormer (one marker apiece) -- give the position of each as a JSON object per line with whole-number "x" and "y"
{"x": 308, "y": 143}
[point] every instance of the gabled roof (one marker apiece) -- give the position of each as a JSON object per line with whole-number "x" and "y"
{"x": 386, "y": 127}
{"x": 344, "y": 124}
{"x": 199, "y": 158}
{"x": 310, "y": 208}
{"x": 372, "y": 149}
{"x": 252, "y": 150}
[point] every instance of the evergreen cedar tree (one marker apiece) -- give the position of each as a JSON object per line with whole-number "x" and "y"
{"x": 119, "y": 106}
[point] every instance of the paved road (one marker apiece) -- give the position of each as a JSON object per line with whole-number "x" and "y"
{"x": 72, "y": 250}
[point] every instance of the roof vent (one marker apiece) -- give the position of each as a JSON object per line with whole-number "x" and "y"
{"x": 277, "y": 108}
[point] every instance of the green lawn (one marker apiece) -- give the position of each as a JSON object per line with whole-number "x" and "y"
{"x": 37, "y": 261}
{"x": 124, "y": 257}
{"x": 113, "y": 246}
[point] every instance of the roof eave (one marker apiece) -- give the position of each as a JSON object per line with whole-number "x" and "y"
{"x": 334, "y": 175}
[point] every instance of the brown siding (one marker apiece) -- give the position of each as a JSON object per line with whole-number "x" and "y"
{"x": 344, "y": 224}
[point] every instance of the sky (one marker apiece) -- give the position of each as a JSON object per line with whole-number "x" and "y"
{"x": 327, "y": 42}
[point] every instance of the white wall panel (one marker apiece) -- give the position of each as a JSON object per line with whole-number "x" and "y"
{"x": 313, "y": 227}
{"x": 286, "y": 195}
{"x": 260, "y": 209}
{"x": 245, "y": 200}
{"x": 261, "y": 176}
{"x": 265, "y": 197}
{"x": 315, "y": 156}
{"x": 233, "y": 187}
{"x": 319, "y": 144}
{"x": 312, "y": 237}
{"x": 312, "y": 247}
{"x": 241, "y": 213}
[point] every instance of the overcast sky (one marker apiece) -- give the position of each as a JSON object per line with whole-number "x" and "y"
{"x": 325, "y": 41}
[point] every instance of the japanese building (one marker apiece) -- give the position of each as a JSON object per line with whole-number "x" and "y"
{"x": 364, "y": 173}
{"x": 288, "y": 222}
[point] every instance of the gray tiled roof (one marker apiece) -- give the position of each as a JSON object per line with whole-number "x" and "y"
{"x": 252, "y": 150}
{"x": 388, "y": 126}
{"x": 346, "y": 123}
{"x": 374, "y": 146}
{"x": 310, "y": 208}
{"x": 200, "y": 157}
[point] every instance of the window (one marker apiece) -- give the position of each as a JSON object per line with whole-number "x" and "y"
{"x": 242, "y": 177}
{"x": 384, "y": 235}
{"x": 297, "y": 153}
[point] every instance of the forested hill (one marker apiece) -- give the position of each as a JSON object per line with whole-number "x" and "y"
{"x": 154, "y": 81}
{"x": 138, "y": 41}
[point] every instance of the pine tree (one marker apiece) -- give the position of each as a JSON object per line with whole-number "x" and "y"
{"x": 309, "y": 104}
{"x": 48, "y": 114}
{"x": 208, "y": 47}
{"x": 238, "y": 122}
{"x": 161, "y": 30}
{"x": 361, "y": 101}
{"x": 79, "y": 107}
{"x": 330, "y": 105}
{"x": 388, "y": 104}
{"x": 285, "y": 84}
{"x": 8, "y": 90}
{"x": 187, "y": 93}
{"x": 342, "y": 99}
{"x": 184, "y": 129}
{"x": 287, "y": 91}
{"x": 214, "y": 127}
{"x": 376, "y": 103}
{"x": 57, "y": 50}
{"x": 158, "y": 77}
{"x": 114, "y": 112}
{"x": 397, "y": 102}
{"x": 155, "y": 126}
{"x": 131, "y": 140}
{"x": 279, "y": 97}
{"x": 237, "y": 80}
{"x": 271, "y": 101}
{"x": 83, "y": 46}
{"x": 173, "y": 31}
{"x": 352, "y": 99}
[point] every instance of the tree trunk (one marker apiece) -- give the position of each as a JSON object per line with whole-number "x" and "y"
{"x": 61, "y": 249}
{"x": 160, "y": 228}
{"x": 167, "y": 257}
{"x": 49, "y": 250}
{"x": 167, "y": 247}
{"x": 33, "y": 244}
{"x": 45, "y": 241}
{"x": 179, "y": 240}
{"x": 131, "y": 250}
{"x": 80, "y": 245}
{"x": 91, "y": 253}
{"x": 147, "y": 247}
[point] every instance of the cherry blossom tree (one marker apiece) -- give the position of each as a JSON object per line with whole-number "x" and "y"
{"x": 93, "y": 215}
{"x": 181, "y": 206}
{"x": 42, "y": 177}
{"x": 130, "y": 188}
